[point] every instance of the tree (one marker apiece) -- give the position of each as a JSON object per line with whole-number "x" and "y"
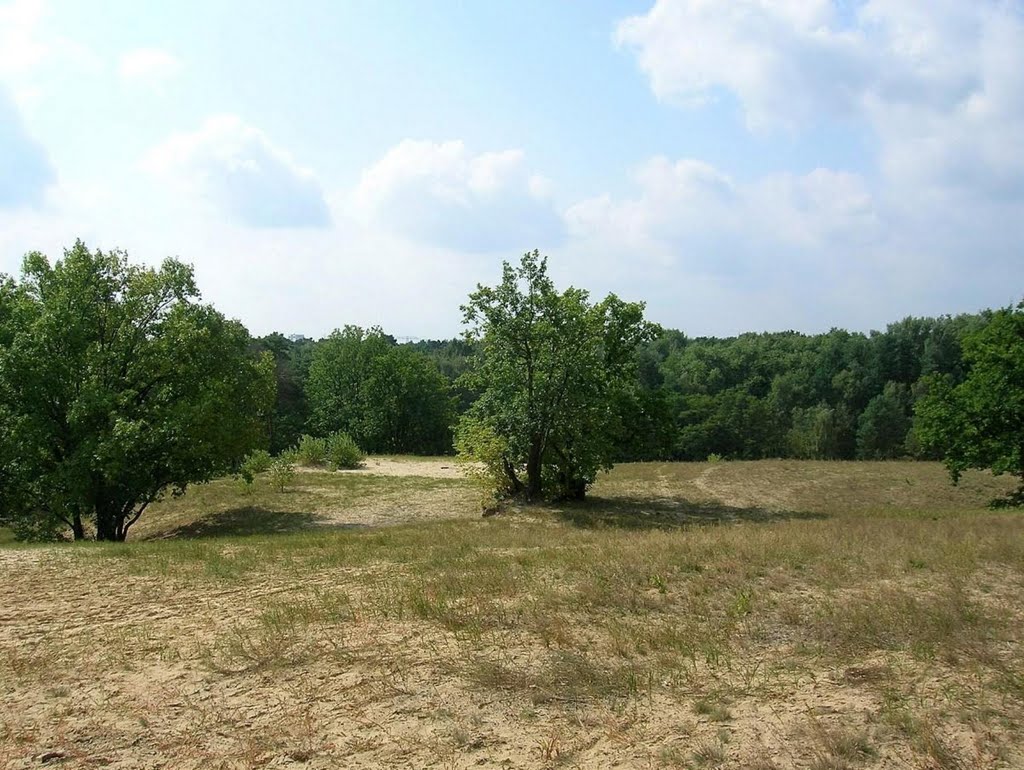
{"x": 388, "y": 397}
{"x": 979, "y": 423}
{"x": 883, "y": 425}
{"x": 552, "y": 369}
{"x": 117, "y": 386}
{"x": 287, "y": 421}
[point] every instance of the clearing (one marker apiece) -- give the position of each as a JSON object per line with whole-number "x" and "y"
{"x": 759, "y": 615}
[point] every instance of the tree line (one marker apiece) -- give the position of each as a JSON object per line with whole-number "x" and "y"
{"x": 839, "y": 395}
{"x": 118, "y": 386}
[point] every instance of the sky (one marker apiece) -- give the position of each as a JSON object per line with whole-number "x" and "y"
{"x": 750, "y": 165}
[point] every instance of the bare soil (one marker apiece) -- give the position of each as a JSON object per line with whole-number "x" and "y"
{"x": 859, "y": 631}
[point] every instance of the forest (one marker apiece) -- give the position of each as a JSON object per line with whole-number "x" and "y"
{"x": 838, "y": 395}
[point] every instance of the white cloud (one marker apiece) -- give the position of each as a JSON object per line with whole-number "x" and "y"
{"x": 148, "y": 66}
{"x": 442, "y": 194}
{"x": 692, "y": 214}
{"x": 25, "y": 169}
{"x": 940, "y": 83}
{"x": 21, "y": 49}
{"x": 783, "y": 60}
{"x": 29, "y": 51}
{"x": 242, "y": 175}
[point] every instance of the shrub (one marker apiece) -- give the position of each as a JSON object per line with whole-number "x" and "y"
{"x": 289, "y": 455}
{"x": 480, "y": 453}
{"x": 257, "y": 461}
{"x": 311, "y": 451}
{"x": 281, "y": 473}
{"x": 714, "y": 457}
{"x": 343, "y": 452}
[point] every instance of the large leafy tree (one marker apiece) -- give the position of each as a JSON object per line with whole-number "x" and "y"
{"x": 553, "y": 371}
{"x": 388, "y": 397}
{"x": 116, "y": 387}
{"x": 979, "y": 423}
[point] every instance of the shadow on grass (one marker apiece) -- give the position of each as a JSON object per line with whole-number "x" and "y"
{"x": 664, "y": 513}
{"x": 251, "y": 520}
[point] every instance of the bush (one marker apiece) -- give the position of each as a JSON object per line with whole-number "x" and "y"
{"x": 311, "y": 451}
{"x": 257, "y": 461}
{"x": 343, "y": 452}
{"x": 281, "y": 473}
{"x": 714, "y": 457}
{"x": 480, "y": 453}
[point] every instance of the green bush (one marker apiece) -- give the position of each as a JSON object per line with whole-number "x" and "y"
{"x": 311, "y": 451}
{"x": 714, "y": 457}
{"x": 281, "y": 473}
{"x": 257, "y": 461}
{"x": 343, "y": 452}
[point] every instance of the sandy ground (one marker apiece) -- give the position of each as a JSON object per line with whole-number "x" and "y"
{"x": 431, "y": 468}
{"x": 107, "y": 668}
{"x": 130, "y": 676}
{"x": 125, "y": 678}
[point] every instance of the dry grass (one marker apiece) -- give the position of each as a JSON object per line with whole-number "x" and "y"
{"x": 769, "y": 615}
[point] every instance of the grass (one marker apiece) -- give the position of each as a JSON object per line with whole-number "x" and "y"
{"x": 870, "y": 609}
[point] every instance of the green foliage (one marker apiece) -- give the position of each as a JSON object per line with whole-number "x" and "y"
{"x": 979, "y": 423}
{"x": 256, "y": 462}
{"x": 338, "y": 450}
{"x": 281, "y": 473}
{"x": 311, "y": 451}
{"x": 714, "y": 457}
{"x": 343, "y": 452}
{"x": 482, "y": 453}
{"x": 116, "y": 387}
{"x": 287, "y": 420}
{"x": 819, "y": 432}
{"x": 389, "y": 398}
{"x": 552, "y": 372}
{"x": 883, "y": 426}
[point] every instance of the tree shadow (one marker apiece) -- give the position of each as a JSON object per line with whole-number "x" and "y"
{"x": 665, "y": 513}
{"x": 251, "y": 520}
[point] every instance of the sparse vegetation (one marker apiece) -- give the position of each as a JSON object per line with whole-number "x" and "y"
{"x": 657, "y": 623}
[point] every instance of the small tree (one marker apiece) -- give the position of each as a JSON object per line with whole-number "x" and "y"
{"x": 980, "y": 422}
{"x": 117, "y": 386}
{"x": 551, "y": 372}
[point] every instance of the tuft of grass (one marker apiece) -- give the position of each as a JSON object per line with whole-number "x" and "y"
{"x": 709, "y": 754}
{"x": 716, "y": 712}
{"x": 837, "y": 748}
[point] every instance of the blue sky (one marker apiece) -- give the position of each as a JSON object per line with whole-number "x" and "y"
{"x": 744, "y": 165}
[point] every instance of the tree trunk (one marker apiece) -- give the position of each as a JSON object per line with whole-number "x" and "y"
{"x": 77, "y": 528}
{"x": 534, "y": 469}
{"x": 576, "y": 489}
{"x": 108, "y": 523}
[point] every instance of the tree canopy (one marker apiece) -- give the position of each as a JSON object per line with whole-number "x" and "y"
{"x": 117, "y": 386}
{"x": 389, "y": 398}
{"x": 979, "y": 423}
{"x": 552, "y": 374}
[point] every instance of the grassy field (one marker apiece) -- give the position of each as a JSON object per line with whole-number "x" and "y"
{"x": 730, "y": 615}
